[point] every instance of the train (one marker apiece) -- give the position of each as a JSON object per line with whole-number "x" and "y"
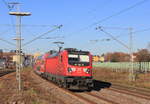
{"x": 69, "y": 68}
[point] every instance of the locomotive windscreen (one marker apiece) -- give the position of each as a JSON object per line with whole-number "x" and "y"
{"x": 78, "y": 59}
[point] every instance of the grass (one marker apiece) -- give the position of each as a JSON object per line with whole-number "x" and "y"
{"x": 27, "y": 69}
{"x": 31, "y": 92}
{"x": 36, "y": 102}
{"x": 142, "y": 79}
{"x": 1, "y": 85}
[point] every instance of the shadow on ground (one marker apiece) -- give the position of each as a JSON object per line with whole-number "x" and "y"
{"x": 98, "y": 85}
{"x": 6, "y": 72}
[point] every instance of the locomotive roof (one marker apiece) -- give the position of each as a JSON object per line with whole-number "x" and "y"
{"x": 75, "y": 51}
{"x": 53, "y": 53}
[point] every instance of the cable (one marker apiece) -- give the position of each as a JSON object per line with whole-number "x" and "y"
{"x": 113, "y": 15}
{"x": 114, "y": 38}
{"x": 6, "y": 4}
{"x": 7, "y": 42}
{"x": 120, "y": 12}
{"x": 28, "y": 25}
{"x": 104, "y": 4}
{"x": 58, "y": 27}
{"x": 56, "y": 37}
{"x": 9, "y": 9}
{"x": 4, "y": 32}
{"x": 147, "y": 29}
{"x": 32, "y": 25}
{"x": 118, "y": 28}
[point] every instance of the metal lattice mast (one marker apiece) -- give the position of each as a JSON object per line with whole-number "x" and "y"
{"x": 18, "y": 39}
{"x": 132, "y": 74}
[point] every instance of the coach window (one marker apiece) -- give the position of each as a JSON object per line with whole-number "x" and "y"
{"x": 42, "y": 61}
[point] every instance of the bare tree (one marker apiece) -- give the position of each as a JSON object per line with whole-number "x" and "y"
{"x": 143, "y": 55}
{"x": 148, "y": 46}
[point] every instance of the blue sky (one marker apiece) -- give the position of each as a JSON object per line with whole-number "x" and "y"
{"x": 75, "y": 15}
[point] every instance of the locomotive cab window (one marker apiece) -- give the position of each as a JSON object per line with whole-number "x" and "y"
{"x": 73, "y": 57}
{"x": 78, "y": 60}
{"x": 84, "y": 58}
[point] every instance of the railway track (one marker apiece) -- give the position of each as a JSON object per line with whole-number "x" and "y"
{"x": 135, "y": 89}
{"x": 137, "y": 92}
{"x": 64, "y": 94}
{"x": 98, "y": 97}
{"x": 95, "y": 98}
{"x": 7, "y": 71}
{"x": 81, "y": 97}
{"x": 89, "y": 98}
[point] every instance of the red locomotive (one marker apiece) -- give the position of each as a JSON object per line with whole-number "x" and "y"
{"x": 69, "y": 68}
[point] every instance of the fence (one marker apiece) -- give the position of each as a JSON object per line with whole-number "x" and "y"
{"x": 124, "y": 66}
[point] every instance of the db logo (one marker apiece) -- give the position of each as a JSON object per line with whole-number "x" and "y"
{"x": 79, "y": 70}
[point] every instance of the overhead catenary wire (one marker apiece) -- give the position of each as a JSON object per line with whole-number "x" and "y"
{"x": 104, "y": 4}
{"x": 4, "y": 32}
{"x": 111, "y": 16}
{"x": 6, "y": 4}
{"x": 108, "y": 39}
{"x": 56, "y": 37}
{"x": 7, "y": 42}
{"x": 57, "y": 27}
{"x": 9, "y": 9}
{"x": 29, "y": 25}
{"x": 114, "y": 38}
{"x": 143, "y": 30}
{"x": 122, "y": 28}
{"x": 120, "y": 12}
{"x": 117, "y": 28}
{"x": 97, "y": 40}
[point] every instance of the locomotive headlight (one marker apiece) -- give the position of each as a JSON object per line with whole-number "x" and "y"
{"x": 86, "y": 70}
{"x": 71, "y": 69}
